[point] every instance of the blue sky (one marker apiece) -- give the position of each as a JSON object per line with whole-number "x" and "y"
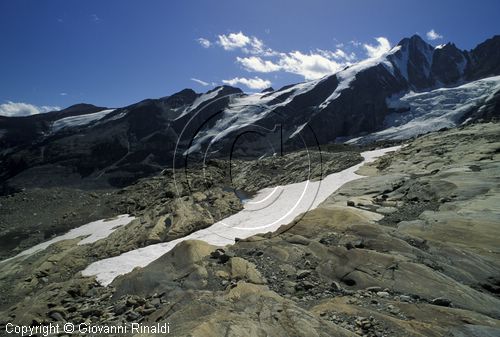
{"x": 113, "y": 53}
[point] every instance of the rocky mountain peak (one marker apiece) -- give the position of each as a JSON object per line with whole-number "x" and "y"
{"x": 413, "y": 59}
{"x": 227, "y": 90}
{"x": 270, "y": 89}
{"x": 484, "y": 59}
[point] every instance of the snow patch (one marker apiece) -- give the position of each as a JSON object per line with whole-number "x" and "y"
{"x": 90, "y": 232}
{"x": 298, "y": 130}
{"x": 200, "y": 100}
{"x": 246, "y": 110}
{"x": 73, "y": 121}
{"x": 265, "y": 212}
{"x": 347, "y": 76}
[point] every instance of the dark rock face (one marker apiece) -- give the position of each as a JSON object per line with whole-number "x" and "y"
{"x": 360, "y": 108}
{"x": 270, "y": 89}
{"x": 448, "y": 64}
{"x": 413, "y": 62}
{"x": 484, "y": 59}
{"x": 25, "y": 130}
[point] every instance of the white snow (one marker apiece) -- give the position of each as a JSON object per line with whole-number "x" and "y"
{"x": 346, "y": 76}
{"x": 266, "y": 212}
{"x": 80, "y": 120}
{"x": 246, "y": 110}
{"x": 428, "y": 52}
{"x": 298, "y": 130}
{"x": 433, "y": 110}
{"x": 401, "y": 61}
{"x": 200, "y": 100}
{"x": 90, "y": 233}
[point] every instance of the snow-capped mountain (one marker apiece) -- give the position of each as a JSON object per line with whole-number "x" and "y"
{"x": 412, "y": 89}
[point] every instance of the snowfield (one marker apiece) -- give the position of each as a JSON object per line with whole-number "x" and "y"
{"x": 81, "y": 120}
{"x": 245, "y": 110}
{"x": 433, "y": 110}
{"x": 90, "y": 232}
{"x": 348, "y": 75}
{"x": 200, "y": 100}
{"x": 266, "y": 212}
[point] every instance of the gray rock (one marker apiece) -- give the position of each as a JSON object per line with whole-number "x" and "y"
{"x": 335, "y": 286}
{"x": 133, "y": 316}
{"x": 57, "y": 315}
{"x": 404, "y": 298}
{"x": 120, "y": 308}
{"x": 303, "y": 274}
{"x": 298, "y": 239}
{"x": 307, "y": 285}
{"x": 383, "y": 294}
{"x": 441, "y": 301}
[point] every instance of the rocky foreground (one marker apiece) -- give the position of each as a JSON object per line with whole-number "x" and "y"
{"x": 411, "y": 250}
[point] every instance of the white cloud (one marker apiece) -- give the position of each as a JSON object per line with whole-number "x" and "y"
{"x": 63, "y": 94}
{"x": 203, "y": 83}
{"x": 376, "y": 51}
{"x": 248, "y": 44}
{"x": 255, "y": 63}
{"x": 233, "y": 41}
{"x": 252, "y": 83}
{"x": 95, "y": 18}
{"x": 12, "y": 109}
{"x": 433, "y": 35}
{"x": 311, "y": 66}
{"x": 338, "y": 54}
{"x": 204, "y": 42}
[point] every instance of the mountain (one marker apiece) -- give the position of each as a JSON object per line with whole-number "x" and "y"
{"x": 102, "y": 147}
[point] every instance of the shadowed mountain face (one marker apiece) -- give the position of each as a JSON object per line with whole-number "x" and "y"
{"x": 96, "y": 146}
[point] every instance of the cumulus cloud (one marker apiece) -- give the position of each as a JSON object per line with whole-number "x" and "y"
{"x": 203, "y": 83}
{"x": 255, "y": 63}
{"x": 377, "y": 50}
{"x": 311, "y": 66}
{"x": 247, "y": 44}
{"x": 13, "y": 109}
{"x": 433, "y": 35}
{"x": 252, "y": 83}
{"x": 233, "y": 41}
{"x": 338, "y": 54}
{"x": 204, "y": 42}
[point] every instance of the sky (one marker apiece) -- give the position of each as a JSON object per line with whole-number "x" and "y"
{"x": 113, "y": 53}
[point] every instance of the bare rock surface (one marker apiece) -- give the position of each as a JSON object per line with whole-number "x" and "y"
{"x": 411, "y": 250}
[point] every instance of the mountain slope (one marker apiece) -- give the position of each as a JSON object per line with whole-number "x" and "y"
{"x": 106, "y": 147}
